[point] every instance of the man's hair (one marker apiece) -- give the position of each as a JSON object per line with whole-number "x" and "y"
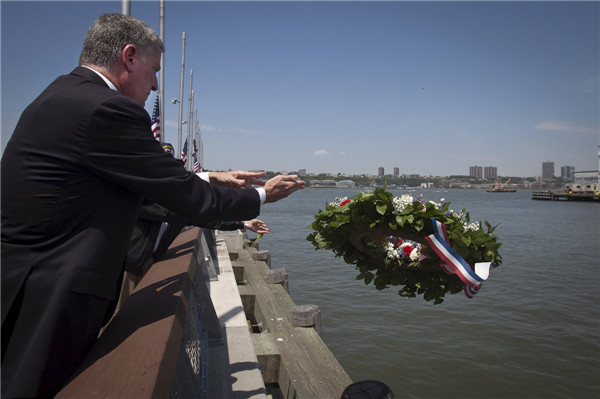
{"x": 109, "y": 35}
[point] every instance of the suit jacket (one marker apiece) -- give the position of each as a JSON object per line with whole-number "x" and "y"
{"x": 143, "y": 238}
{"x": 74, "y": 173}
{"x": 141, "y": 252}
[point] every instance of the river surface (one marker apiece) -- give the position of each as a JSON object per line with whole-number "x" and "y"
{"x": 533, "y": 330}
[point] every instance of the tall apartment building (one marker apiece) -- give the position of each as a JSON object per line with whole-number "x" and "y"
{"x": 548, "y": 170}
{"x": 476, "y": 172}
{"x": 396, "y": 171}
{"x": 567, "y": 172}
{"x": 380, "y": 171}
{"x": 490, "y": 172}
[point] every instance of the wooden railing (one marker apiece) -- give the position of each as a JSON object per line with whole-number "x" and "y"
{"x": 211, "y": 320}
{"x": 136, "y": 355}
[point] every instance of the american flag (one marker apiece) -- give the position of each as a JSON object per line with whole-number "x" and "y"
{"x": 197, "y": 167}
{"x": 184, "y": 152}
{"x": 156, "y": 120}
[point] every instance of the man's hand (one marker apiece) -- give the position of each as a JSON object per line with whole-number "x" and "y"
{"x": 237, "y": 179}
{"x": 281, "y": 186}
{"x": 257, "y": 226}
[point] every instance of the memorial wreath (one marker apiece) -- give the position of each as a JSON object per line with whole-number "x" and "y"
{"x": 423, "y": 246}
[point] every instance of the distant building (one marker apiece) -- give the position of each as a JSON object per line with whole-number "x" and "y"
{"x": 587, "y": 176}
{"x": 567, "y": 172}
{"x": 380, "y": 171}
{"x": 476, "y": 172}
{"x": 345, "y": 184}
{"x": 323, "y": 183}
{"x": 548, "y": 170}
{"x": 490, "y": 172}
{"x": 299, "y": 172}
{"x": 589, "y": 179}
{"x": 396, "y": 171}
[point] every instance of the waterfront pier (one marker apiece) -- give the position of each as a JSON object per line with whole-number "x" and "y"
{"x": 564, "y": 196}
{"x": 211, "y": 320}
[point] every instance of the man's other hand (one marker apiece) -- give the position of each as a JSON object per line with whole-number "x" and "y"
{"x": 238, "y": 179}
{"x": 281, "y": 186}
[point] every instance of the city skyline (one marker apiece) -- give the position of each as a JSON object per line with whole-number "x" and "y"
{"x": 480, "y": 171}
{"x": 433, "y": 87}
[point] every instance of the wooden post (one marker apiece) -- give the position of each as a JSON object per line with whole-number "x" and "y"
{"x": 262, "y": 255}
{"x": 306, "y": 316}
{"x": 277, "y": 276}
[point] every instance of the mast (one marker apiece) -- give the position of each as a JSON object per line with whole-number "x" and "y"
{"x": 161, "y": 78}
{"x": 125, "y": 7}
{"x": 190, "y": 144}
{"x": 197, "y": 136}
{"x": 179, "y": 124}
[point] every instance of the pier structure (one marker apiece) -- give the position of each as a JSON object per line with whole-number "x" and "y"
{"x": 212, "y": 319}
{"x": 565, "y": 196}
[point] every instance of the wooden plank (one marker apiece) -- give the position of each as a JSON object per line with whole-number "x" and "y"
{"x": 311, "y": 370}
{"x": 267, "y": 353}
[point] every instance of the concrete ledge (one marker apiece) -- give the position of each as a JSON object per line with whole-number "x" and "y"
{"x": 234, "y": 371}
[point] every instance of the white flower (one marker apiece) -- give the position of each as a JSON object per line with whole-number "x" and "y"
{"x": 458, "y": 215}
{"x": 392, "y": 253}
{"x": 435, "y": 204}
{"x": 402, "y": 202}
{"x": 415, "y": 253}
{"x": 472, "y": 226}
{"x": 338, "y": 201}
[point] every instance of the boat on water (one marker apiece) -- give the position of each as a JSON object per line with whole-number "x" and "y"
{"x": 499, "y": 187}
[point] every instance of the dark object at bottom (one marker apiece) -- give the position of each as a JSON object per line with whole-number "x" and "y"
{"x": 368, "y": 389}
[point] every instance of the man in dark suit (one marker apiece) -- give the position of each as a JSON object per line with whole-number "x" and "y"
{"x": 74, "y": 173}
{"x": 154, "y": 231}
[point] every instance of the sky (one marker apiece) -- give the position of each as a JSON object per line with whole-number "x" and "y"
{"x": 346, "y": 87}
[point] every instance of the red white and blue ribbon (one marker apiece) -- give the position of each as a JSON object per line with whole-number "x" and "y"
{"x": 454, "y": 263}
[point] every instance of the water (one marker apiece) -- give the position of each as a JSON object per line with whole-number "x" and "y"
{"x": 531, "y": 332}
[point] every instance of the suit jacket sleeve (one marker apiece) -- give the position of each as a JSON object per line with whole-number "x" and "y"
{"x": 225, "y": 226}
{"x": 120, "y": 148}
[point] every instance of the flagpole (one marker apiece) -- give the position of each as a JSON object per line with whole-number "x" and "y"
{"x": 189, "y": 124}
{"x": 179, "y": 124}
{"x": 201, "y": 145}
{"x": 125, "y": 7}
{"x": 196, "y": 143}
{"x": 161, "y": 82}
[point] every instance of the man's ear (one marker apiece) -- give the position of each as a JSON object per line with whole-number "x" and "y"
{"x": 128, "y": 56}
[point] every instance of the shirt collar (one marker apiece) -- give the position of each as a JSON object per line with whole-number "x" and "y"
{"x": 108, "y": 82}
